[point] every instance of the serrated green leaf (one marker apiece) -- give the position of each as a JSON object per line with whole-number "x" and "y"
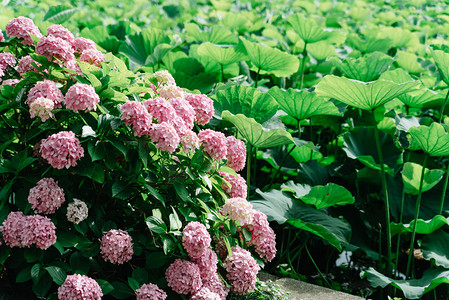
{"x": 247, "y": 101}
{"x": 268, "y": 60}
{"x": 359, "y": 94}
{"x": 255, "y": 134}
{"x": 433, "y": 139}
{"x": 302, "y": 104}
{"x": 58, "y": 14}
{"x": 411, "y": 176}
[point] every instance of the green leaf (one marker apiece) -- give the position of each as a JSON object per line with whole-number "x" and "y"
{"x": 222, "y": 55}
{"x": 58, "y": 274}
{"x": 307, "y": 29}
{"x": 247, "y": 101}
{"x": 283, "y": 209}
{"x": 411, "y": 176}
{"x": 434, "y": 247}
{"x": 24, "y": 275}
{"x": 422, "y": 226}
{"x": 270, "y": 61}
{"x": 58, "y": 14}
{"x": 359, "y": 94}
{"x": 167, "y": 245}
{"x": 121, "y": 290}
{"x": 420, "y": 98}
{"x": 302, "y": 104}
{"x": 141, "y": 275}
{"x": 409, "y": 62}
{"x": 79, "y": 263}
{"x": 182, "y": 192}
{"x": 156, "y": 225}
{"x": 414, "y": 288}
{"x": 433, "y": 140}
{"x": 359, "y": 143}
{"x": 101, "y": 36}
{"x": 441, "y": 59}
{"x": 255, "y": 134}
{"x": 105, "y": 286}
{"x": 134, "y": 284}
{"x": 41, "y": 287}
{"x": 175, "y": 222}
{"x": 217, "y": 34}
{"x": 321, "y": 50}
{"x": 369, "y": 42}
{"x": 329, "y": 195}
{"x": 366, "y": 68}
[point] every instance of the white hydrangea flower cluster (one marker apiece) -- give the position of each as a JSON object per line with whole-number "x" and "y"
{"x": 77, "y": 211}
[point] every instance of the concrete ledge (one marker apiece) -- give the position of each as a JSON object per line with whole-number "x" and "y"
{"x": 305, "y": 291}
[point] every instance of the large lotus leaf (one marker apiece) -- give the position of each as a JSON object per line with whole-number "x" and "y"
{"x": 321, "y": 50}
{"x": 360, "y": 142}
{"x": 211, "y": 65}
{"x": 255, "y": 134}
{"x": 328, "y": 196}
{"x": 361, "y": 94}
{"x": 422, "y": 226}
{"x": 222, "y": 55}
{"x": 303, "y": 104}
{"x": 409, "y": 62}
{"x": 247, "y": 101}
{"x": 413, "y": 288}
{"x": 434, "y": 247}
{"x": 399, "y": 37}
{"x": 270, "y": 60}
{"x": 366, "y": 68}
{"x": 369, "y": 42}
{"x": 411, "y": 175}
{"x": 141, "y": 45}
{"x": 297, "y": 189}
{"x": 441, "y": 59}
{"x": 215, "y": 34}
{"x": 433, "y": 140}
{"x": 279, "y": 207}
{"x": 101, "y": 36}
{"x": 420, "y": 98}
{"x": 307, "y": 29}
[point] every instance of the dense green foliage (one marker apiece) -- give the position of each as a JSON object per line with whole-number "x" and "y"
{"x": 343, "y": 108}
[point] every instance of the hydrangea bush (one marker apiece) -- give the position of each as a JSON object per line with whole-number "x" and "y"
{"x": 141, "y": 197}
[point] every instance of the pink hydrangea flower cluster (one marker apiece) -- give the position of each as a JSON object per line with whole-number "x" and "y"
{"x": 45, "y": 89}
{"x": 239, "y": 210}
{"x": 93, "y": 57}
{"x": 24, "y": 65}
{"x": 82, "y": 44}
{"x": 2, "y": 38}
{"x": 190, "y": 141}
{"x": 72, "y": 65}
{"x": 55, "y": 47}
{"x": 61, "y": 150}
{"x": 61, "y": 32}
{"x": 215, "y": 284}
{"x": 164, "y": 77}
{"x": 136, "y": 115}
{"x": 205, "y": 294}
{"x": 195, "y": 239}
{"x": 23, "y": 28}
{"x": 160, "y": 109}
{"x": 203, "y": 107}
{"x": 242, "y": 270}
{"x": 19, "y": 230}
{"x": 183, "y": 277}
{"x": 207, "y": 263}
{"x": 236, "y": 153}
{"x": 150, "y": 291}
{"x": 184, "y": 110}
{"x": 262, "y": 236}
{"x": 79, "y": 287}
{"x": 165, "y": 137}
{"x": 46, "y": 197}
{"x": 116, "y": 246}
{"x": 7, "y": 60}
{"x": 42, "y": 108}
{"x": 11, "y": 82}
{"x": 170, "y": 91}
{"x": 214, "y": 143}
{"x": 82, "y": 97}
{"x": 238, "y": 185}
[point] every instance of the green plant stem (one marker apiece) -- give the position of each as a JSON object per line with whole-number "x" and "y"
{"x": 443, "y": 106}
{"x": 401, "y": 214}
{"x": 258, "y": 77}
{"x": 255, "y": 167}
{"x": 248, "y": 169}
{"x": 316, "y": 267}
{"x": 443, "y": 193}
{"x": 303, "y": 64}
{"x": 222, "y": 72}
{"x": 385, "y": 193}
{"x": 418, "y": 203}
